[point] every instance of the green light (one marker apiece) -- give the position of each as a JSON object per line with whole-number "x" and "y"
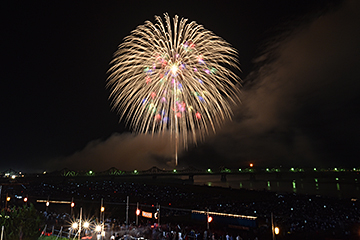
{"x": 174, "y": 170}
{"x": 267, "y": 170}
{"x": 337, "y": 179}
{"x": 335, "y": 169}
{"x": 268, "y": 183}
{"x": 90, "y": 172}
{"x": 292, "y": 169}
{"x": 135, "y": 171}
{"x": 239, "y": 169}
{"x": 209, "y": 170}
{"x": 314, "y": 168}
{"x": 316, "y": 180}
{"x": 354, "y": 169}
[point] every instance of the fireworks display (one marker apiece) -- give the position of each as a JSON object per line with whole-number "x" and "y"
{"x": 174, "y": 77}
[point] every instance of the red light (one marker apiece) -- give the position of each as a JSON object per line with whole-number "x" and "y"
{"x": 72, "y": 204}
{"x": 25, "y": 199}
{"x": 198, "y": 115}
{"x": 138, "y": 212}
{"x": 251, "y": 165}
{"x": 210, "y": 219}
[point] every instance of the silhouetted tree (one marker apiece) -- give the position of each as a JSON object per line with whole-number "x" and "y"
{"x": 21, "y": 223}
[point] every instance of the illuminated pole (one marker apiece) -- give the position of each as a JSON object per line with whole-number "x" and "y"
{"x": 272, "y": 227}
{"x": 44, "y": 230}
{"x": 102, "y": 209}
{"x": 137, "y": 213}
{"x": 103, "y": 221}
{"x": 2, "y": 232}
{"x": 207, "y": 218}
{"x": 127, "y": 212}
{"x": 80, "y": 224}
{"x": 60, "y": 232}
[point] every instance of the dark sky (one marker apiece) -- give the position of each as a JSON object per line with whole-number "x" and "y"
{"x": 300, "y": 64}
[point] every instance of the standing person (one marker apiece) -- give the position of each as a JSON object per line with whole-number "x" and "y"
{"x": 117, "y": 236}
{"x": 205, "y": 235}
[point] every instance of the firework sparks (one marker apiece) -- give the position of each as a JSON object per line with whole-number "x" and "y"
{"x": 174, "y": 77}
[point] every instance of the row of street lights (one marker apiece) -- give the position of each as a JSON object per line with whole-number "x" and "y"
{"x": 8, "y": 199}
{"x": 86, "y": 225}
{"x": 100, "y": 227}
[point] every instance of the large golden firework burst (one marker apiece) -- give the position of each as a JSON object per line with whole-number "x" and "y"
{"x": 174, "y": 77}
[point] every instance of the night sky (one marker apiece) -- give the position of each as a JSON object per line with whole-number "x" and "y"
{"x": 300, "y": 64}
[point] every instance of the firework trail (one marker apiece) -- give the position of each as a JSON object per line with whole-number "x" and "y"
{"x": 174, "y": 77}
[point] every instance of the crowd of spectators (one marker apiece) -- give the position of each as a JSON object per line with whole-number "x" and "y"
{"x": 295, "y": 214}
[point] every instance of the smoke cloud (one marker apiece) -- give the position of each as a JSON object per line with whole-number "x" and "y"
{"x": 298, "y": 107}
{"x": 123, "y": 151}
